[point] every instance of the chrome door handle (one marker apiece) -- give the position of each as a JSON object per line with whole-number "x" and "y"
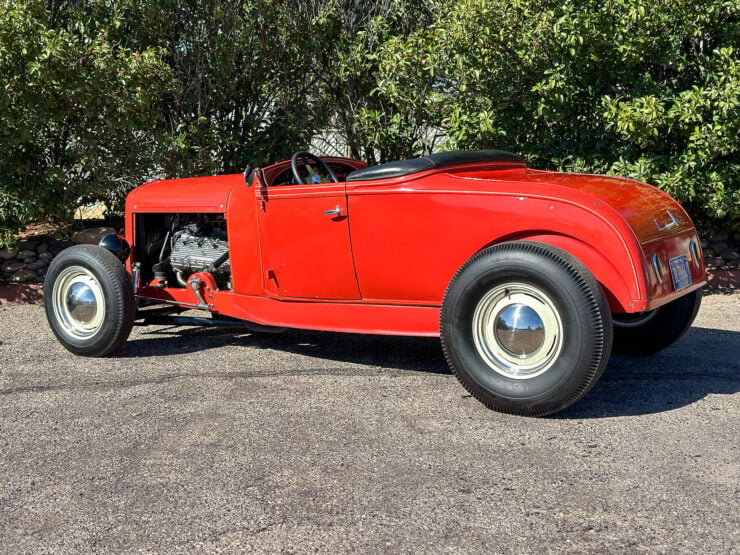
{"x": 334, "y": 212}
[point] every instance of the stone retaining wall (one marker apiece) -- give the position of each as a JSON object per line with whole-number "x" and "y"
{"x": 30, "y": 261}
{"x": 721, "y": 251}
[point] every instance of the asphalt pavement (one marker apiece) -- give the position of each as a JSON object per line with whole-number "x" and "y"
{"x": 216, "y": 440}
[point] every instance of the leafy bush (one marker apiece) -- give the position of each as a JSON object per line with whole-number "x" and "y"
{"x": 75, "y": 113}
{"x": 101, "y": 96}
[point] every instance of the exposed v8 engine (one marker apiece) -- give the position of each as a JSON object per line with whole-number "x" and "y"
{"x": 200, "y": 246}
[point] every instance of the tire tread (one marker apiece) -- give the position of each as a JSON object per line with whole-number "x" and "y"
{"x": 597, "y": 305}
{"x": 114, "y": 278}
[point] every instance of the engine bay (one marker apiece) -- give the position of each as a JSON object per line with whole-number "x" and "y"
{"x": 172, "y": 247}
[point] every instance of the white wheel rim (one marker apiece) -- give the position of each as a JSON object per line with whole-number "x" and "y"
{"x": 517, "y": 330}
{"x": 78, "y": 302}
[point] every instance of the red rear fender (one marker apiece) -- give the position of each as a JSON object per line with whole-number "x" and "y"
{"x": 622, "y": 281}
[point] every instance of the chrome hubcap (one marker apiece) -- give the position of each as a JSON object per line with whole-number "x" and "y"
{"x": 81, "y": 302}
{"x": 517, "y": 330}
{"x": 78, "y": 300}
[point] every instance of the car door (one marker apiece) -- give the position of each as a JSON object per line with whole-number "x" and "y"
{"x": 304, "y": 237}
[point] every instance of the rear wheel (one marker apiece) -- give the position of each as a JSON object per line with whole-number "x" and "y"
{"x": 89, "y": 300}
{"x": 646, "y": 333}
{"x": 525, "y": 328}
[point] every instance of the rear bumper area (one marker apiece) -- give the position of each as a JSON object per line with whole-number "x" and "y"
{"x": 674, "y": 266}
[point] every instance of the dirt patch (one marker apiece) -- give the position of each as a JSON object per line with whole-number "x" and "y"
{"x": 723, "y": 281}
{"x": 25, "y": 293}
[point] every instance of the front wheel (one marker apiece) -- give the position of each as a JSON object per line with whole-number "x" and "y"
{"x": 525, "y": 328}
{"x": 646, "y": 333}
{"x": 89, "y": 300}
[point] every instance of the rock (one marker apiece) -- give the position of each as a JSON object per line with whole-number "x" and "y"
{"x": 30, "y": 260}
{"x": 11, "y": 266}
{"x": 718, "y": 246}
{"x": 704, "y": 243}
{"x": 91, "y": 236}
{"x": 8, "y": 254}
{"x": 709, "y": 252}
{"x": 30, "y": 245}
{"x": 729, "y": 254}
{"x": 720, "y": 236}
{"x": 733, "y": 263}
{"x": 712, "y": 262}
{"x": 46, "y": 255}
{"x": 25, "y": 253}
{"x": 42, "y": 248}
{"x": 38, "y": 265}
{"x": 55, "y": 249}
{"x": 23, "y": 276}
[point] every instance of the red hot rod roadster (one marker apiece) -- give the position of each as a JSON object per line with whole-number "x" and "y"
{"x": 530, "y": 278}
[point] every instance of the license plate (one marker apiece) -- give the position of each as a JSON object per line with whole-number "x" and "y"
{"x": 680, "y": 272}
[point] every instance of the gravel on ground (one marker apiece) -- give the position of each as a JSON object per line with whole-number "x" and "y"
{"x": 218, "y": 440}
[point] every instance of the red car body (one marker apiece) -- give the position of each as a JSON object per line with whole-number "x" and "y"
{"x": 383, "y": 265}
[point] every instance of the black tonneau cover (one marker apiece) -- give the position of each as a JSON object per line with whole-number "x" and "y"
{"x": 406, "y": 167}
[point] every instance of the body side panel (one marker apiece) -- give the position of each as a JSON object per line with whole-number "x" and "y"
{"x": 242, "y": 222}
{"x": 409, "y": 241}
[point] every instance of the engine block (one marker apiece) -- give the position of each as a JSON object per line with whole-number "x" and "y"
{"x": 194, "y": 252}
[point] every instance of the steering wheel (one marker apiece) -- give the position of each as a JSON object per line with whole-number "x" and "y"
{"x": 313, "y": 176}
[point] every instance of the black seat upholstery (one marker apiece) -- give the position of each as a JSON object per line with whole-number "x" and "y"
{"x": 406, "y": 167}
